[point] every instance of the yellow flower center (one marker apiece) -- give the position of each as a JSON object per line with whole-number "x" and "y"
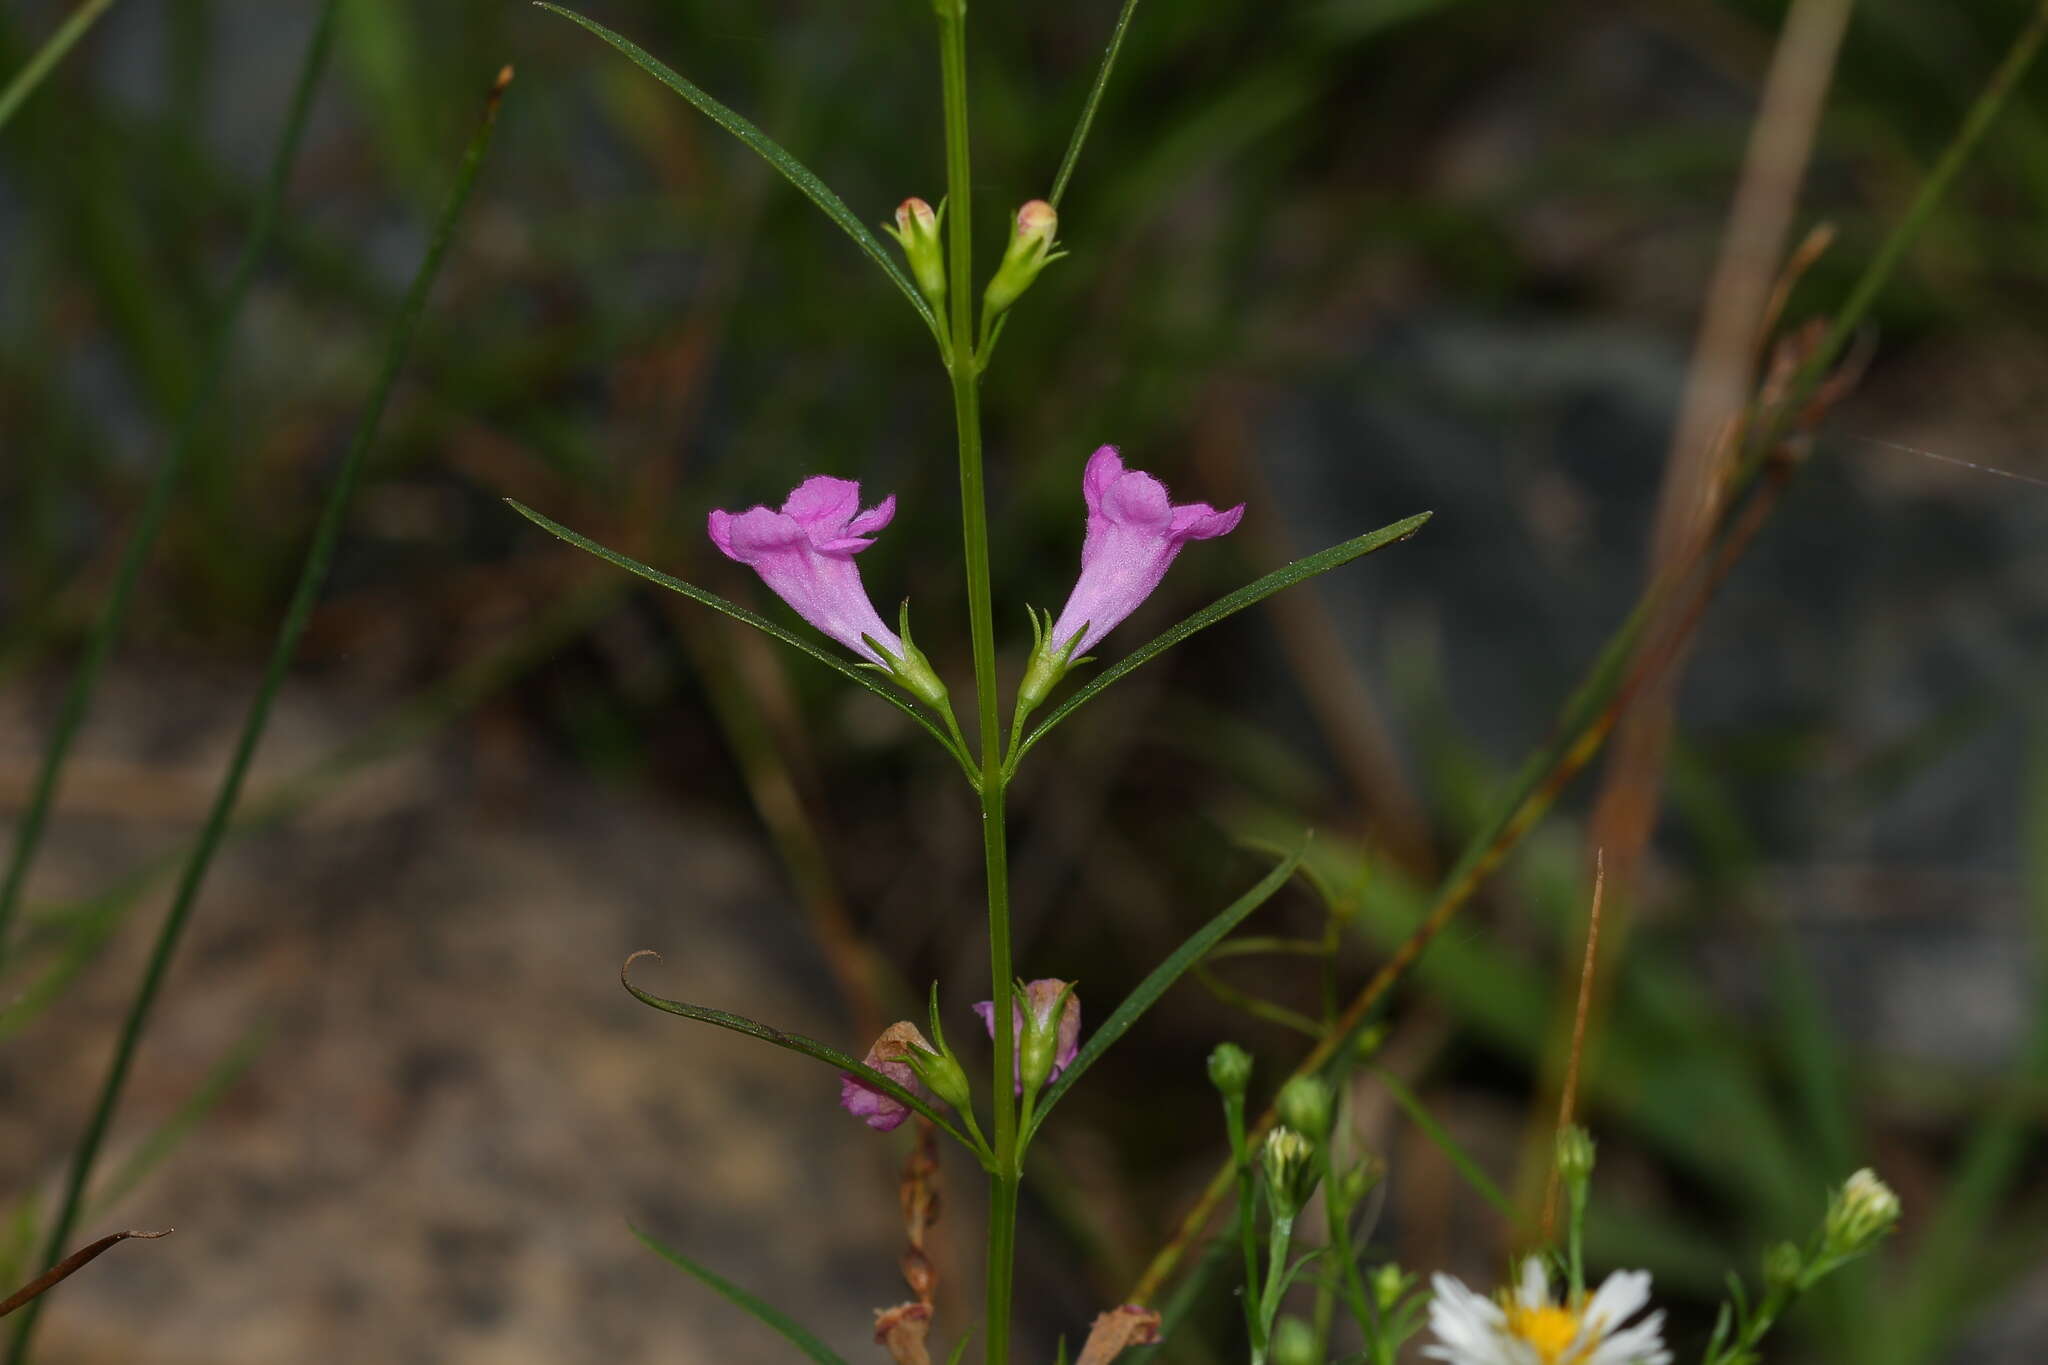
{"x": 1549, "y": 1329}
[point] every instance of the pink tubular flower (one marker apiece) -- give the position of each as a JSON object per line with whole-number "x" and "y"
{"x": 1040, "y": 997}
{"x": 1134, "y": 532}
{"x": 891, "y": 1056}
{"x": 804, "y": 553}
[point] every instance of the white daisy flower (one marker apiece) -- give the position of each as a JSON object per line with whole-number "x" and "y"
{"x": 1527, "y": 1328}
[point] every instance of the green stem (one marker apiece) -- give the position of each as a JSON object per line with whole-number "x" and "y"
{"x": 1247, "y": 1213}
{"x": 1363, "y": 1303}
{"x": 965, "y": 374}
{"x": 1278, "y": 1238}
{"x": 312, "y": 576}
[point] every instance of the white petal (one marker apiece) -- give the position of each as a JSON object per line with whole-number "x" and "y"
{"x": 1535, "y": 1287}
{"x": 1626, "y": 1293}
{"x": 1641, "y": 1344}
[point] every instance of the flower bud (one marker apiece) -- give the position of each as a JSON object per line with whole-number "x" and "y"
{"x": 941, "y": 1073}
{"x": 1287, "y": 1159}
{"x": 1308, "y": 1105}
{"x": 1354, "y": 1184}
{"x": 1784, "y": 1268}
{"x": 917, "y": 232}
{"x": 1390, "y": 1286}
{"x": 1294, "y": 1343}
{"x": 1046, "y": 1018}
{"x": 1230, "y": 1070}
{"x": 1040, "y": 1050}
{"x": 1575, "y": 1155}
{"x": 1030, "y": 251}
{"x": 1862, "y": 1211}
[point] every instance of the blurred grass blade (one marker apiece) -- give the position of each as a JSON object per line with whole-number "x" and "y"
{"x": 1284, "y": 577}
{"x": 794, "y": 1042}
{"x": 1087, "y": 119}
{"x": 92, "y": 924}
{"x": 78, "y": 698}
{"x": 866, "y": 678}
{"x": 312, "y": 575}
{"x": 48, "y": 55}
{"x": 794, "y": 171}
{"x": 791, "y": 1331}
{"x": 1148, "y": 991}
{"x": 1478, "y": 1179}
{"x": 172, "y": 1132}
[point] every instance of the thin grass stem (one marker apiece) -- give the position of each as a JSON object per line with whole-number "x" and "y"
{"x": 48, "y": 55}
{"x": 312, "y": 576}
{"x": 78, "y": 699}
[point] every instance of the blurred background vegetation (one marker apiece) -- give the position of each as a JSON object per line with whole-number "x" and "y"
{"x": 1342, "y": 259}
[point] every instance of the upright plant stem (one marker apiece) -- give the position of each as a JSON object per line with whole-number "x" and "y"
{"x": 962, "y": 367}
{"x": 312, "y": 576}
{"x": 78, "y": 698}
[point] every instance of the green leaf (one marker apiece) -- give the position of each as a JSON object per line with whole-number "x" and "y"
{"x": 792, "y": 1331}
{"x": 862, "y": 675}
{"x": 1087, "y": 119}
{"x": 794, "y": 1042}
{"x": 1436, "y": 1133}
{"x": 1165, "y": 974}
{"x": 794, "y": 171}
{"x": 1284, "y": 577}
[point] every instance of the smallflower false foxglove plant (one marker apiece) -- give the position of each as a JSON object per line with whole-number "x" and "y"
{"x": 1527, "y": 1327}
{"x": 804, "y": 553}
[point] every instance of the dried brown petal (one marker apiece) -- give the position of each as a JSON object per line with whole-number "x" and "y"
{"x": 1130, "y": 1325}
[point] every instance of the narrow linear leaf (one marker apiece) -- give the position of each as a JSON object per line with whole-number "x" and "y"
{"x": 169, "y": 1135}
{"x": 1164, "y": 975}
{"x": 1087, "y": 119}
{"x": 794, "y": 1042}
{"x": 793, "y": 1332}
{"x": 1286, "y": 576}
{"x": 794, "y": 171}
{"x": 739, "y": 613}
{"x": 48, "y": 55}
{"x": 1438, "y": 1134}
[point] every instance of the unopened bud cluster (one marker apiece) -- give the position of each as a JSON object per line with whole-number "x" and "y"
{"x": 1033, "y": 245}
{"x": 1862, "y": 1211}
{"x": 1288, "y": 1159}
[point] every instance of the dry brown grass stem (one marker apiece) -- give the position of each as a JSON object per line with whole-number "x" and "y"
{"x": 1747, "y": 286}
{"x": 1569, "y": 1093}
{"x": 63, "y": 1270}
